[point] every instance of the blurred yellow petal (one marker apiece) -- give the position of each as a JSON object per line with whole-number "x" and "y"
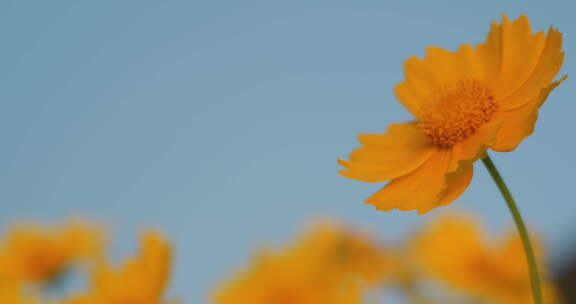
{"x": 11, "y": 292}
{"x": 345, "y": 250}
{"x": 34, "y": 252}
{"x": 328, "y": 264}
{"x": 140, "y": 280}
{"x": 283, "y": 280}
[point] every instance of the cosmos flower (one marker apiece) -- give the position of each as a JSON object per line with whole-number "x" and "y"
{"x": 347, "y": 250}
{"x": 285, "y": 279}
{"x": 329, "y": 264}
{"x": 463, "y": 102}
{"x": 140, "y": 280}
{"x": 455, "y": 250}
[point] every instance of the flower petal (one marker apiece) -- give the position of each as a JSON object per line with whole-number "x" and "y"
{"x": 519, "y": 63}
{"x": 422, "y": 189}
{"x": 440, "y": 64}
{"x": 399, "y": 151}
{"x": 464, "y": 154}
{"x": 412, "y": 97}
{"x": 548, "y": 66}
{"x": 512, "y": 52}
{"x": 452, "y": 248}
{"x": 474, "y": 147}
{"x": 453, "y": 174}
{"x": 418, "y": 87}
{"x": 467, "y": 64}
{"x": 425, "y": 77}
{"x": 519, "y": 123}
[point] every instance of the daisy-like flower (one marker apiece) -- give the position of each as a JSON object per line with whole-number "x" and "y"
{"x": 34, "y": 252}
{"x": 140, "y": 280}
{"x": 284, "y": 279}
{"x": 456, "y": 250}
{"x": 348, "y": 251}
{"x": 463, "y": 102}
{"x": 328, "y": 264}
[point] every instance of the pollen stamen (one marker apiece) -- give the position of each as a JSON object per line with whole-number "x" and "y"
{"x": 457, "y": 111}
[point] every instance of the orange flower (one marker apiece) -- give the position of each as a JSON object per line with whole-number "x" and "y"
{"x": 454, "y": 249}
{"x": 138, "y": 281}
{"x": 31, "y": 252}
{"x": 285, "y": 279}
{"x": 464, "y": 102}
{"x": 329, "y": 264}
{"x": 347, "y": 251}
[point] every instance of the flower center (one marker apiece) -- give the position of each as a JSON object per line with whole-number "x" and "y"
{"x": 457, "y": 111}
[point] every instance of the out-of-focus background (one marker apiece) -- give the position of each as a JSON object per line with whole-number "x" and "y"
{"x": 220, "y": 121}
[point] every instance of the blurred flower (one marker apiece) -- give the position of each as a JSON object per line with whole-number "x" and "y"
{"x": 348, "y": 251}
{"x": 141, "y": 280}
{"x": 454, "y": 249}
{"x": 327, "y": 265}
{"x": 33, "y": 252}
{"x": 285, "y": 279}
{"x": 464, "y": 102}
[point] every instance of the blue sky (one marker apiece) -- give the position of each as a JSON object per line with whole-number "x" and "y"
{"x": 220, "y": 121}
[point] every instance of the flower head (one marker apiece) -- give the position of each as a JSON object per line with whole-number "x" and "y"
{"x": 285, "y": 279}
{"x": 463, "y": 102}
{"x": 347, "y": 251}
{"x": 454, "y": 249}
{"x": 328, "y": 264}
{"x": 140, "y": 280}
{"x": 33, "y": 252}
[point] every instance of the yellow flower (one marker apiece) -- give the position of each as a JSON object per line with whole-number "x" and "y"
{"x": 346, "y": 250}
{"x": 285, "y": 279}
{"x": 32, "y": 252}
{"x": 141, "y": 280}
{"x": 329, "y": 264}
{"x": 454, "y": 249}
{"x": 463, "y": 102}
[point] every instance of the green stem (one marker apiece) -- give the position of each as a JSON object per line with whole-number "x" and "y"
{"x": 534, "y": 277}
